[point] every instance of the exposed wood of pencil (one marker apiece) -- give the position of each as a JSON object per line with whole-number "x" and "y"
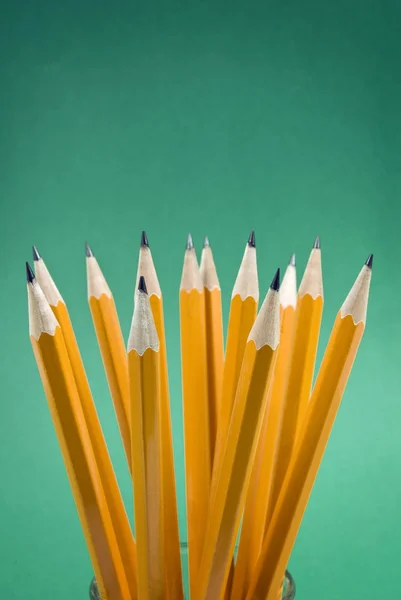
{"x": 69, "y": 421}
{"x": 257, "y": 506}
{"x": 170, "y": 531}
{"x": 111, "y": 490}
{"x": 315, "y": 430}
{"x": 144, "y": 379}
{"x": 234, "y": 473}
{"x": 243, "y": 309}
{"x": 214, "y": 339}
{"x": 308, "y": 317}
{"x": 195, "y": 409}
{"x": 111, "y": 345}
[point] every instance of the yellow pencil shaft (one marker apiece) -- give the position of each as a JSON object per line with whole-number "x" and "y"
{"x": 308, "y": 317}
{"x": 234, "y": 473}
{"x": 241, "y": 319}
{"x": 144, "y": 375}
{"x": 258, "y": 506}
{"x": 319, "y": 418}
{"x": 215, "y": 359}
{"x": 69, "y": 421}
{"x": 196, "y": 425}
{"x": 111, "y": 490}
{"x": 112, "y": 349}
{"x": 170, "y": 531}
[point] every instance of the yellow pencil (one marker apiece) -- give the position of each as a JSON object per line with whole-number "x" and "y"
{"x": 243, "y": 309}
{"x": 118, "y": 515}
{"x": 195, "y": 408}
{"x": 315, "y": 431}
{"x": 144, "y": 379}
{"x": 308, "y": 317}
{"x": 170, "y": 532}
{"x": 234, "y": 472}
{"x": 69, "y": 422}
{"x": 258, "y": 505}
{"x": 111, "y": 345}
{"x": 214, "y": 339}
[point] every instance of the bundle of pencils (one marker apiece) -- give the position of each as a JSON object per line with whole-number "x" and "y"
{"x": 255, "y": 428}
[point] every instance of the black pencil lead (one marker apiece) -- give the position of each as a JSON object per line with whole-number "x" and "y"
{"x": 369, "y": 261}
{"x": 30, "y": 275}
{"x": 142, "y": 285}
{"x": 144, "y": 240}
{"x": 251, "y": 240}
{"x": 275, "y": 284}
{"x": 190, "y": 243}
{"x": 36, "y": 255}
{"x": 88, "y": 250}
{"x": 316, "y": 245}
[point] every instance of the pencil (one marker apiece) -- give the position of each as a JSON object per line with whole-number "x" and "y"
{"x": 214, "y": 338}
{"x": 234, "y": 473}
{"x": 170, "y": 532}
{"x": 258, "y": 506}
{"x": 195, "y": 408}
{"x": 69, "y": 422}
{"x": 144, "y": 379}
{"x": 116, "y": 509}
{"x": 315, "y": 430}
{"x": 243, "y": 309}
{"x": 111, "y": 345}
{"x": 308, "y": 317}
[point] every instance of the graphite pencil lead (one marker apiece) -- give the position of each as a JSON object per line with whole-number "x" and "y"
{"x": 316, "y": 245}
{"x": 142, "y": 285}
{"x": 30, "y": 276}
{"x": 251, "y": 240}
{"x": 190, "y": 243}
{"x": 206, "y": 243}
{"x": 88, "y": 250}
{"x": 275, "y": 284}
{"x": 35, "y": 253}
{"x": 144, "y": 240}
{"x": 369, "y": 261}
{"x": 292, "y": 260}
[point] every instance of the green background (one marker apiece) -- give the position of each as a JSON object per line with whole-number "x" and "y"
{"x": 214, "y": 118}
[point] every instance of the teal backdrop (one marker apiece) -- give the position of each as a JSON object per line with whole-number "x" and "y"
{"x": 215, "y": 118}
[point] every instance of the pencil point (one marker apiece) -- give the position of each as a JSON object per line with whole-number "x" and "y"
{"x": 36, "y": 255}
{"x": 369, "y": 261}
{"x": 292, "y": 260}
{"x": 190, "y": 243}
{"x": 275, "y": 284}
{"x": 144, "y": 240}
{"x": 88, "y": 250}
{"x": 30, "y": 276}
{"x": 251, "y": 240}
{"x": 316, "y": 245}
{"x": 206, "y": 243}
{"x": 142, "y": 285}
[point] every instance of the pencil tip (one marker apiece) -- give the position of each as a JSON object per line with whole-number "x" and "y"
{"x": 30, "y": 276}
{"x": 369, "y": 261}
{"x": 144, "y": 240}
{"x": 88, "y": 250}
{"x": 292, "y": 260}
{"x": 36, "y": 255}
{"x": 142, "y": 285}
{"x": 190, "y": 243}
{"x": 251, "y": 240}
{"x": 316, "y": 245}
{"x": 206, "y": 243}
{"x": 275, "y": 284}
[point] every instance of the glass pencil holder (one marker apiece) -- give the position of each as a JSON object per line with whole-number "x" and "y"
{"x": 287, "y": 594}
